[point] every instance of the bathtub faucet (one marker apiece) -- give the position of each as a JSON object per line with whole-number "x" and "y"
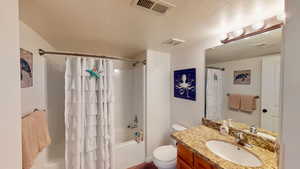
{"x": 134, "y": 124}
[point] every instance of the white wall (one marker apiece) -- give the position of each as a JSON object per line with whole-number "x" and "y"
{"x": 10, "y": 123}
{"x": 123, "y": 99}
{"x": 158, "y": 100}
{"x": 190, "y": 113}
{"x": 291, "y": 87}
{"x": 47, "y": 93}
{"x": 128, "y": 99}
{"x": 253, "y": 64}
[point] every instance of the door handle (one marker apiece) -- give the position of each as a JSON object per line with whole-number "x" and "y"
{"x": 264, "y": 110}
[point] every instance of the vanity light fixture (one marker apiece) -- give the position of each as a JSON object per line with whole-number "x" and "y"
{"x": 266, "y": 25}
{"x": 224, "y": 36}
{"x": 239, "y": 32}
{"x": 258, "y": 25}
{"x": 281, "y": 17}
{"x": 117, "y": 70}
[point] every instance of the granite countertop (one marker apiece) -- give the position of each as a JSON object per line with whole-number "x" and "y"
{"x": 195, "y": 139}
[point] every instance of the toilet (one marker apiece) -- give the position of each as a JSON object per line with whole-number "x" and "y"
{"x": 164, "y": 157}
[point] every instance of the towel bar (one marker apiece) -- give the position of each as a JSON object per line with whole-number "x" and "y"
{"x": 34, "y": 110}
{"x": 256, "y": 97}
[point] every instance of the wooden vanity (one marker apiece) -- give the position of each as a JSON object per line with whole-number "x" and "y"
{"x": 193, "y": 153}
{"x": 186, "y": 159}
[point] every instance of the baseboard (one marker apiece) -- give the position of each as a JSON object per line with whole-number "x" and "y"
{"x": 149, "y": 159}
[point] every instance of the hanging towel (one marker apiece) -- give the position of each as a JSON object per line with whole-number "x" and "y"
{"x": 234, "y": 101}
{"x": 41, "y": 127}
{"x": 248, "y": 103}
{"x": 30, "y": 145}
{"x": 35, "y": 137}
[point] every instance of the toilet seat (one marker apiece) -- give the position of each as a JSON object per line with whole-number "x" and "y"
{"x": 165, "y": 153}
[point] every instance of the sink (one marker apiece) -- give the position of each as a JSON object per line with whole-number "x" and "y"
{"x": 233, "y": 153}
{"x": 262, "y": 135}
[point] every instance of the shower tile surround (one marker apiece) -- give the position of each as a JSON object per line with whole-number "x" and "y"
{"x": 195, "y": 138}
{"x": 127, "y": 101}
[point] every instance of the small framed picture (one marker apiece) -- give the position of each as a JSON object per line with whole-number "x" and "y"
{"x": 242, "y": 77}
{"x": 26, "y": 68}
{"x": 185, "y": 84}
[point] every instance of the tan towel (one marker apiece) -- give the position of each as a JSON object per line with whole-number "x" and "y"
{"x": 248, "y": 103}
{"x": 35, "y": 137}
{"x": 41, "y": 126}
{"x": 234, "y": 101}
{"x": 30, "y": 143}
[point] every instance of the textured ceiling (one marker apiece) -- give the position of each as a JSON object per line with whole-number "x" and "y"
{"x": 114, "y": 27}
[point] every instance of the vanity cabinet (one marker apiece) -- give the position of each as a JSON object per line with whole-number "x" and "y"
{"x": 182, "y": 165}
{"x": 186, "y": 159}
{"x": 200, "y": 163}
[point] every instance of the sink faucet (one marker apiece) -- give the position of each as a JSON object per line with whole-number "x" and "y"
{"x": 253, "y": 129}
{"x": 241, "y": 140}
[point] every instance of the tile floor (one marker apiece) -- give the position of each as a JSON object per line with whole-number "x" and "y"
{"x": 144, "y": 166}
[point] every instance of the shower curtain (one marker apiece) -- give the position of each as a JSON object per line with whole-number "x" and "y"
{"x": 88, "y": 114}
{"x": 214, "y": 94}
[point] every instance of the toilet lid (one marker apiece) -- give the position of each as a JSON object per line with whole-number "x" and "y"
{"x": 165, "y": 153}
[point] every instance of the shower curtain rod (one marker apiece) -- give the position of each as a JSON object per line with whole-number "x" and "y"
{"x": 217, "y": 68}
{"x": 43, "y": 52}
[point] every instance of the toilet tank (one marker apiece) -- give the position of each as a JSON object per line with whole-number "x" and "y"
{"x": 175, "y": 128}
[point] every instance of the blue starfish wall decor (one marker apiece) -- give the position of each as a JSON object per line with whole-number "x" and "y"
{"x": 93, "y": 73}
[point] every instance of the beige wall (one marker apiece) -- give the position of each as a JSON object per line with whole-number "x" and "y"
{"x": 34, "y": 97}
{"x": 47, "y": 92}
{"x": 158, "y": 100}
{"x": 291, "y": 87}
{"x": 10, "y": 123}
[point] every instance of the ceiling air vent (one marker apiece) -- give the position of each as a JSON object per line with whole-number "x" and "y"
{"x": 145, "y": 4}
{"x": 157, "y": 6}
{"x": 173, "y": 42}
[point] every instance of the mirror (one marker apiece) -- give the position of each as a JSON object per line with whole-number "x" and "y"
{"x": 243, "y": 83}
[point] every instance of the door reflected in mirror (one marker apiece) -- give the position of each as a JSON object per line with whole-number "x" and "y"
{"x": 243, "y": 83}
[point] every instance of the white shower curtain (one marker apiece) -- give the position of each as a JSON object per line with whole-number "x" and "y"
{"x": 214, "y": 94}
{"x": 88, "y": 114}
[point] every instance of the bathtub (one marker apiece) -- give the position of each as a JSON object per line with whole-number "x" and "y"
{"x": 50, "y": 158}
{"x": 127, "y": 152}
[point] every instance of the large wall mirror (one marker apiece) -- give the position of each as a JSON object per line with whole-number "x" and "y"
{"x": 243, "y": 83}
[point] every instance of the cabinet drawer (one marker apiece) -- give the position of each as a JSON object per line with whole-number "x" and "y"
{"x": 200, "y": 163}
{"x": 185, "y": 154}
{"x": 181, "y": 164}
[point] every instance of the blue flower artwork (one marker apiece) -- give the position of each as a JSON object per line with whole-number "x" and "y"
{"x": 185, "y": 84}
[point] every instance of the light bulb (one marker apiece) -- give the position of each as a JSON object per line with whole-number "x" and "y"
{"x": 238, "y": 32}
{"x": 258, "y": 25}
{"x": 281, "y": 17}
{"x": 224, "y": 36}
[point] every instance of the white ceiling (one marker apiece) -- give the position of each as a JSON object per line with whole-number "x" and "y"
{"x": 259, "y": 45}
{"x": 114, "y": 27}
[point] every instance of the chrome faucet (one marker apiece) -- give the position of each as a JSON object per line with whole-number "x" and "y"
{"x": 241, "y": 140}
{"x": 133, "y": 125}
{"x": 253, "y": 129}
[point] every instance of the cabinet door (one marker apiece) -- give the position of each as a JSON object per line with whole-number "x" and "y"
{"x": 185, "y": 154}
{"x": 181, "y": 164}
{"x": 200, "y": 163}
